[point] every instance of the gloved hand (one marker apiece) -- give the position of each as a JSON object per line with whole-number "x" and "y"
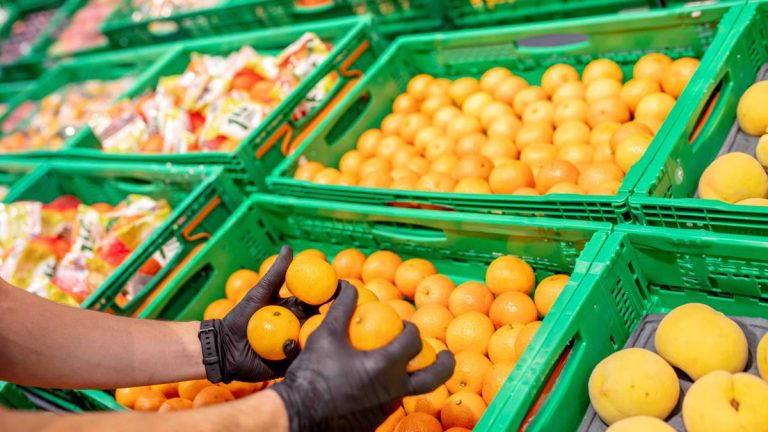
{"x": 238, "y": 360}
{"x": 332, "y": 386}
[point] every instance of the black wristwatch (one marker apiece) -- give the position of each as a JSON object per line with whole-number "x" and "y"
{"x": 209, "y": 341}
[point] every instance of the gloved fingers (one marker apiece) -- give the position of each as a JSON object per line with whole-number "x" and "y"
{"x": 428, "y": 379}
{"x": 291, "y": 349}
{"x": 303, "y": 311}
{"x": 405, "y": 346}
{"x": 277, "y": 368}
{"x": 340, "y": 312}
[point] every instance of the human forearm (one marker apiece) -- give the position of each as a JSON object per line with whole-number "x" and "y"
{"x": 50, "y": 345}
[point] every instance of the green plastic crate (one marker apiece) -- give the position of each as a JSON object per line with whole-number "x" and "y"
{"x": 639, "y": 271}
{"x": 11, "y": 396}
{"x": 29, "y": 65}
{"x": 402, "y": 17}
{"x": 12, "y": 171}
{"x": 261, "y": 151}
{"x": 201, "y": 200}
{"x": 665, "y": 195}
{"x": 106, "y": 66}
{"x": 74, "y": 401}
{"x": 624, "y": 38}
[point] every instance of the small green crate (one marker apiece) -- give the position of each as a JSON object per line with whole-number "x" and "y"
{"x": 623, "y": 38}
{"x": 106, "y": 66}
{"x": 665, "y": 194}
{"x": 639, "y": 271}
{"x": 201, "y": 200}
{"x": 264, "y": 148}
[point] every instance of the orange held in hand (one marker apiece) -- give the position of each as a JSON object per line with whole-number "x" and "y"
{"x": 239, "y": 283}
{"x": 424, "y": 358}
{"x": 269, "y": 329}
{"x": 311, "y": 279}
{"x": 374, "y": 325}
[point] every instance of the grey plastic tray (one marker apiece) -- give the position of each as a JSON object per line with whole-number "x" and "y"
{"x": 643, "y": 337}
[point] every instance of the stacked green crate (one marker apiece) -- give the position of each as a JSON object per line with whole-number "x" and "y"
{"x": 666, "y": 194}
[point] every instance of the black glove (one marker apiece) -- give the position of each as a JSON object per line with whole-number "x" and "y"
{"x": 332, "y": 386}
{"x": 237, "y": 360}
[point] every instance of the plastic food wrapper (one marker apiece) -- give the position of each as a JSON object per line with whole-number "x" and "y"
{"x": 3, "y": 192}
{"x": 65, "y": 250}
{"x": 84, "y": 29}
{"x": 216, "y": 102}
{"x": 144, "y": 9}
{"x": 24, "y": 34}
{"x": 49, "y": 122}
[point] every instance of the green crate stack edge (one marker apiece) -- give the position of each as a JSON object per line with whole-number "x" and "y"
{"x": 665, "y": 195}
{"x": 639, "y": 270}
{"x": 460, "y": 245}
{"x": 354, "y": 50}
{"x": 17, "y": 397}
{"x": 471, "y": 52}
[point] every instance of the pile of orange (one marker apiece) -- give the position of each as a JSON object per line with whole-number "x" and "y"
{"x": 184, "y": 395}
{"x": 573, "y": 133}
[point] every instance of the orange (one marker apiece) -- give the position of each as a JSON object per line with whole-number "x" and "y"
{"x": 508, "y": 88}
{"x": 512, "y": 307}
{"x": 311, "y": 279}
{"x": 445, "y": 115}
{"x": 149, "y": 400}
{"x": 239, "y": 283}
{"x": 327, "y": 176}
{"x": 607, "y": 110}
{"x": 270, "y": 328}
{"x": 218, "y": 309}
{"x": 405, "y": 104}
{"x": 493, "y": 77}
{"x": 309, "y": 326}
{"x": 678, "y": 74}
{"x": 509, "y": 273}
{"x": 212, "y": 395}
{"x": 389, "y": 146}
{"x": 463, "y": 409}
{"x": 470, "y": 297}
{"x": 525, "y": 336}
{"x": 426, "y": 136}
{"x": 602, "y": 68}
{"x": 557, "y": 75}
{"x": 568, "y": 91}
{"x": 539, "y": 111}
{"x": 434, "y": 289}
{"x": 432, "y": 104}
{"x": 566, "y": 188}
{"x": 610, "y": 187}
{"x": 505, "y": 127}
{"x": 307, "y": 170}
{"x": 429, "y": 403}
{"x": 403, "y": 308}
{"x": 494, "y": 379}
{"x": 405, "y": 183}
{"x": 350, "y": 162}
{"x": 392, "y": 124}
{"x": 174, "y": 404}
{"x": 469, "y": 331}
{"x": 377, "y": 179}
{"x": 463, "y": 88}
{"x": 526, "y": 191}
{"x": 602, "y": 88}
{"x": 493, "y": 111}
{"x": 476, "y": 103}
{"x": 402, "y": 173}
{"x": 462, "y": 125}
{"x": 169, "y": 390}
{"x": 412, "y": 124}
{"x": 469, "y": 372}
{"x": 626, "y": 130}
{"x": 444, "y": 164}
{"x": 571, "y": 132}
{"x": 597, "y": 173}
{"x": 439, "y": 86}
{"x": 509, "y": 177}
{"x": 348, "y": 263}
{"x": 374, "y": 325}
{"x": 532, "y": 133}
{"x": 472, "y": 185}
{"x": 473, "y": 165}
{"x": 631, "y": 149}
{"x": 189, "y": 389}
{"x": 381, "y": 264}
{"x": 653, "y": 124}
{"x": 368, "y": 142}
{"x": 432, "y": 321}
{"x": 419, "y": 85}
{"x": 127, "y": 396}
{"x": 241, "y": 389}
{"x": 602, "y": 133}
{"x": 383, "y": 289}
{"x": 419, "y": 165}
{"x": 348, "y": 180}
{"x": 439, "y": 147}
{"x": 651, "y": 66}
{"x": 496, "y": 148}
{"x": 470, "y": 144}
{"x": 436, "y": 344}
{"x": 537, "y": 154}
{"x": 426, "y": 357}
{"x": 603, "y": 153}
{"x": 410, "y": 273}
{"x": 436, "y": 182}
{"x": 419, "y": 422}
{"x": 655, "y": 106}
{"x": 636, "y": 89}
{"x": 557, "y": 171}
{"x": 570, "y": 110}
{"x": 501, "y": 347}
{"x": 391, "y": 422}
{"x": 547, "y": 292}
{"x": 526, "y": 97}
{"x": 579, "y": 154}
{"x": 374, "y": 165}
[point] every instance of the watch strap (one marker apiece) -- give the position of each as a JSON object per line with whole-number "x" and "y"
{"x": 209, "y": 342}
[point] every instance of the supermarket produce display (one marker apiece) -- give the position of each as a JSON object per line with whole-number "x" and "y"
{"x": 564, "y": 201}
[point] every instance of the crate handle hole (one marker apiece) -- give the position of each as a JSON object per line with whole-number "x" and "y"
{"x": 409, "y": 233}
{"x": 553, "y": 42}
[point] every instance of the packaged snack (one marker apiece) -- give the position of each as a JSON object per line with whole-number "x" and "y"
{"x": 144, "y": 9}
{"x": 84, "y": 29}
{"x": 24, "y": 34}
